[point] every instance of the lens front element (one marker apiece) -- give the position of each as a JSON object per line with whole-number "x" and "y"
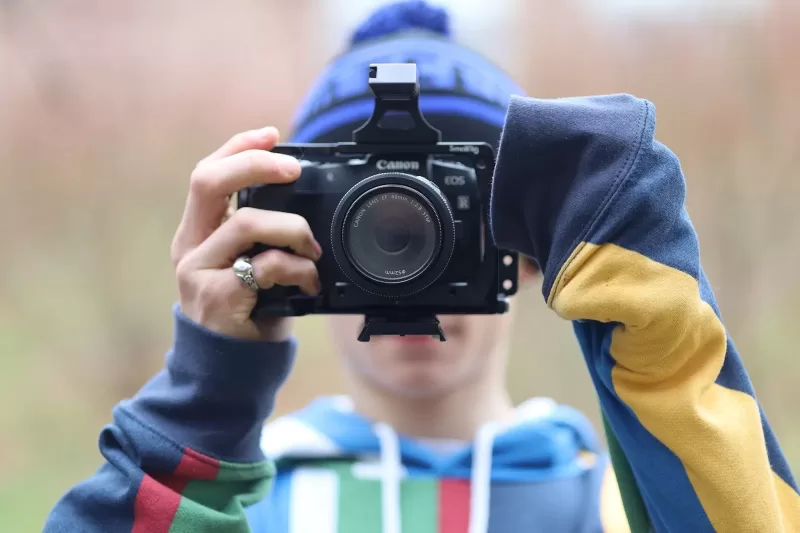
{"x": 391, "y": 234}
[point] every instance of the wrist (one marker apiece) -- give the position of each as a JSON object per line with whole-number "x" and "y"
{"x": 215, "y": 392}
{"x": 230, "y": 361}
{"x": 237, "y": 325}
{"x": 278, "y": 329}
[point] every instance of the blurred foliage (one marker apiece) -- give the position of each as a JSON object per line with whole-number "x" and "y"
{"x": 106, "y": 106}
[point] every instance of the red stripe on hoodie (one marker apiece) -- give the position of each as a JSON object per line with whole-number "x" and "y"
{"x": 158, "y": 500}
{"x": 454, "y": 497}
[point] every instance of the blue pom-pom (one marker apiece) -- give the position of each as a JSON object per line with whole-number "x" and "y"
{"x": 400, "y": 16}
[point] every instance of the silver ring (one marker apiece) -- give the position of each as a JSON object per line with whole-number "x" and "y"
{"x": 243, "y": 269}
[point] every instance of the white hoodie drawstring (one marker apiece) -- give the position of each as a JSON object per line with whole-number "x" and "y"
{"x": 391, "y": 471}
{"x": 481, "y": 482}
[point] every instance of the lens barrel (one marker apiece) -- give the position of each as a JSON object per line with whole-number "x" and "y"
{"x": 393, "y": 234}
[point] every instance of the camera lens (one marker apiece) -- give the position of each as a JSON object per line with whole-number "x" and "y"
{"x": 392, "y": 234}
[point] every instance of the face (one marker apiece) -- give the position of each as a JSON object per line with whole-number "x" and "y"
{"x": 419, "y": 367}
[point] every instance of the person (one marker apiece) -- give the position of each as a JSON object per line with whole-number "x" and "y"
{"x": 427, "y": 438}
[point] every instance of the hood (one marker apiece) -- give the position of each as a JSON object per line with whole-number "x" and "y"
{"x": 544, "y": 441}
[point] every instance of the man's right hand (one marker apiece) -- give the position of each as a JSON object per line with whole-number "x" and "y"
{"x": 206, "y": 243}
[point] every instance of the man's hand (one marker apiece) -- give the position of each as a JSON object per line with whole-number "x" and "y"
{"x": 206, "y": 243}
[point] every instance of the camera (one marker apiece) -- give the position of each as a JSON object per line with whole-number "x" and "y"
{"x": 402, "y": 217}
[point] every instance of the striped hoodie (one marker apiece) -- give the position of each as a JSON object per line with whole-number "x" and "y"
{"x": 541, "y": 472}
{"x": 582, "y": 186}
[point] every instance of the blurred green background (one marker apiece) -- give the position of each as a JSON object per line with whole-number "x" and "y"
{"x": 105, "y": 107}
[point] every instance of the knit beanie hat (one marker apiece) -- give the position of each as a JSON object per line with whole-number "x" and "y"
{"x": 461, "y": 93}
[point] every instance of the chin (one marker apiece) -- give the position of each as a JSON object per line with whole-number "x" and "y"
{"x": 419, "y": 366}
{"x": 413, "y": 367}
{"x": 415, "y": 382}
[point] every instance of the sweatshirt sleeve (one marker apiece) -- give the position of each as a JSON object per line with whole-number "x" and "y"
{"x": 184, "y": 454}
{"x": 582, "y": 186}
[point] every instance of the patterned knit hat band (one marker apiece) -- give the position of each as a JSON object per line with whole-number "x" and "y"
{"x": 462, "y": 93}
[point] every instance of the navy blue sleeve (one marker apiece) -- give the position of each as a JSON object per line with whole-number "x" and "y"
{"x": 184, "y": 452}
{"x": 583, "y": 186}
{"x": 215, "y": 392}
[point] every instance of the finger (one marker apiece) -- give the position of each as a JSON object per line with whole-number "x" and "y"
{"x": 249, "y": 226}
{"x": 276, "y": 267}
{"x": 188, "y": 236}
{"x": 214, "y": 181}
{"x": 227, "y": 293}
{"x": 263, "y": 139}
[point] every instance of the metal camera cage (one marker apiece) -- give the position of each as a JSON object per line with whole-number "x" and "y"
{"x": 396, "y": 88}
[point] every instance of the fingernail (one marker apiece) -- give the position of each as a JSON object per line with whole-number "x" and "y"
{"x": 318, "y": 250}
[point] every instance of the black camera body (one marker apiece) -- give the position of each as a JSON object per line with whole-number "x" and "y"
{"x": 402, "y": 218}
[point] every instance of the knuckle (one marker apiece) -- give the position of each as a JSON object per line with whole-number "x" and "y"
{"x": 273, "y": 262}
{"x": 186, "y": 282}
{"x": 299, "y": 226}
{"x": 245, "y": 220}
{"x": 181, "y": 271}
{"x": 305, "y": 227}
{"x": 202, "y": 181}
{"x": 207, "y": 294}
{"x": 270, "y": 267}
